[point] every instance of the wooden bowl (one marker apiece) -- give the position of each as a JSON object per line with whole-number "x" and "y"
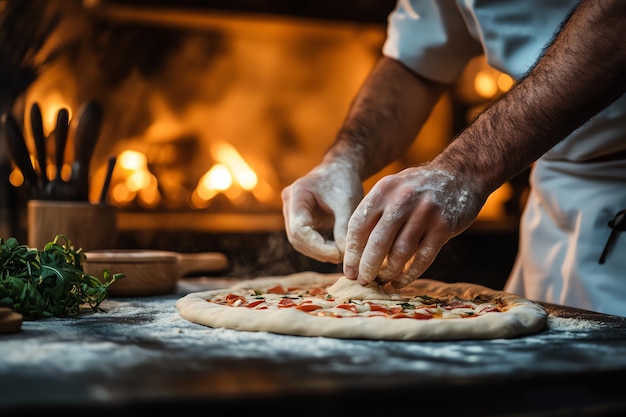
{"x": 149, "y": 272}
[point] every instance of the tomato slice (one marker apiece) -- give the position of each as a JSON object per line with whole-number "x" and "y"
{"x": 233, "y": 298}
{"x": 253, "y": 304}
{"x": 399, "y": 316}
{"x": 378, "y": 307}
{"x": 279, "y": 289}
{"x": 349, "y": 307}
{"x": 317, "y": 291}
{"x": 286, "y": 302}
{"x": 308, "y": 307}
{"x": 421, "y": 316}
{"x": 395, "y": 310}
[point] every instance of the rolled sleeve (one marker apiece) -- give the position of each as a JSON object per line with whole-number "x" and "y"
{"x": 431, "y": 38}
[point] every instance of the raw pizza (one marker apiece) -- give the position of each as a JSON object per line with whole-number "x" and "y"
{"x": 330, "y": 305}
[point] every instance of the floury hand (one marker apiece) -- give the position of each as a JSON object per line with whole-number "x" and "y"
{"x": 399, "y": 227}
{"x": 320, "y": 203}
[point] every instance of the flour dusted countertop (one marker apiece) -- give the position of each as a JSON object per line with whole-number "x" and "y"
{"x": 141, "y": 356}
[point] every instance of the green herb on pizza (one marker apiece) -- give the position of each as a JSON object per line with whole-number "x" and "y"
{"x": 49, "y": 282}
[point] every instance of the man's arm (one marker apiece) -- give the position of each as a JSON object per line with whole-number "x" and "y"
{"x": 579, "y": 74}
{"x": 399, "y": 228}
{"x": 385, "y": 117}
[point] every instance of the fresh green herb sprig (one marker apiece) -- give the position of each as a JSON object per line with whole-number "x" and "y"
{"x": 49, "y": 282}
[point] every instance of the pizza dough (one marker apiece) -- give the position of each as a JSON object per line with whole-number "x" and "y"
{"x": 475, "y": 317}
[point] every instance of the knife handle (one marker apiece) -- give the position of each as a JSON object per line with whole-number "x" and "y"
{"x": 60, "y": 137}
{"x": 85, "y": 140}
{"x": 36, "y": 123}
{"x": 18, "y": 150}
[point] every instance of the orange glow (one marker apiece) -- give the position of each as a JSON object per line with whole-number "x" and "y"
{"x": 494, "y": 206}
{"x": 16, "y": 178}
{"x": 217, "y": 179}
{"x": 132, "y": 160}
{"x": 149, "y": 196}
{"x": 227, "y": 155}
{"x": 263, "y": 192}
{"x": 256, "y": 88}
{"x": 66, "y": 172}
{"x": 485, "y": 84}
{"x": 50, "y": 104}
{"x": 138, "y": 180}
{"x": 232, "y": 176}
{"x": 121, "y": 194}
{"x": 34, "y": 162}
{"x": 235, "y": 194}
{"x": 50, "y": 171}
{"x": 505, "y": 82}
{"x": 198, "y": 202}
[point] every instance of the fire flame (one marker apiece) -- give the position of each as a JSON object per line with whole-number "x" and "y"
{"x": 139, "y": 183}
{"x": 230, "y": 175}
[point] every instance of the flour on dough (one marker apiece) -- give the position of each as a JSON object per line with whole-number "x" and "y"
{"x": 349, "y": 289}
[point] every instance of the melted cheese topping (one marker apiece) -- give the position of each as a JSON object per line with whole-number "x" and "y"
{"x": 317, "y": 301}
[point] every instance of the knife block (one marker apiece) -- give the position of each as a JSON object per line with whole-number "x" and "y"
{"x": 88, "y": 226}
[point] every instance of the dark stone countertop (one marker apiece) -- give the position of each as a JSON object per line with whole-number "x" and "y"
{"x": 140, "y": 356}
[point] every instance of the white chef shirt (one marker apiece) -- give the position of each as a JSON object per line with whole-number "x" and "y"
{"x": 576, "y": 187}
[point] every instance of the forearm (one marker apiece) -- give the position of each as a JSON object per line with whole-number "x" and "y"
{"x": 384, "y": 118}
{"x": 582, "y": 72}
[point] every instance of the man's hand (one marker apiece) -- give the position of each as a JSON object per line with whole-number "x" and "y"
{"x": 317, "y": 204}
{"x": 398, "y": 229}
